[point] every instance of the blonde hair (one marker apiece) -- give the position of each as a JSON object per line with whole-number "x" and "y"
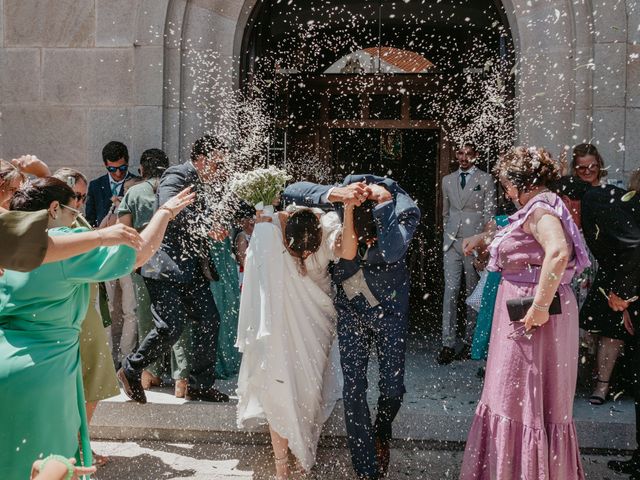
{"x": 9, "y": 172}
{"x": 528, "y": 167}
{"x": 65, "y": 173}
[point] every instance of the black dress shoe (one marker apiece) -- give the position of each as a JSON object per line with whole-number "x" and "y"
{"x": 626, "y": 466}
{"x": 446, "y": 356}
{"x": 208, "y": 395}
{"x": 132, "y": 387}
{"x": 383, "y": 454}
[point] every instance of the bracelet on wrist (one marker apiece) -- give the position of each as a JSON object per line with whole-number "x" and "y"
{"x": 171, "y": 214}
{"x": 540, "y": 308}
{"x": 100, "y": 238}
{"x": 64, "y": 460}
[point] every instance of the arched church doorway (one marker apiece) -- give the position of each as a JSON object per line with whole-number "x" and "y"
{"x": 372, "y": 86}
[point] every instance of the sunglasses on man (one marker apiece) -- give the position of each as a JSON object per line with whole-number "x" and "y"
{"x": 122, "y": 168}
{"x": 81, "y": 197}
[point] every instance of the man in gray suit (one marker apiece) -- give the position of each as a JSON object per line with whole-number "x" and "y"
{"x": 469, "y": 202}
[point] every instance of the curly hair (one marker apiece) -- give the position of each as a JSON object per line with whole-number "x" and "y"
{"x": 527, "y": 168}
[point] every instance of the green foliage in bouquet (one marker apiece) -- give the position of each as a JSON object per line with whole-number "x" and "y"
{"x": 260, "y": 187}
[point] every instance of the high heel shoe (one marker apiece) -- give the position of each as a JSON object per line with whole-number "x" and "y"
{"x": 282, "y": 464}
{"x": 181, "y": 387}
{"x": 598, "y": 399}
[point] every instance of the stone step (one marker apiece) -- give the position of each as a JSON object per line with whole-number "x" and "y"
{"x": 445, "y": 423}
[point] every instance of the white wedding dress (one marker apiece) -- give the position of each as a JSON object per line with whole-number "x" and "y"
{"x": 290, "y": 374}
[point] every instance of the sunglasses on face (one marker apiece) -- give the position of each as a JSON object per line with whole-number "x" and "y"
{"x": 81, "y": 197}
{"x": 122, "y": 168}
{"x": 594, "y": 167}
{"x": 71, "y": 209}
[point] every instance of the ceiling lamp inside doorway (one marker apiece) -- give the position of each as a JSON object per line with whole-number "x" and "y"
{"x": 381, "y": 60}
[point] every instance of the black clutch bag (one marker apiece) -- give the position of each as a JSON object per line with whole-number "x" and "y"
{"x": 518, "y": 307}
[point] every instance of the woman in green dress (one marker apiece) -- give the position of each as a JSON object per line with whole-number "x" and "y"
{"x": 226, "y": 293}
{"x": 41, "y": 394}
{"x": 480, "y": 346}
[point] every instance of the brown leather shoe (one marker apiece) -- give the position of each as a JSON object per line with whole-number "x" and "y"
{"x": 149, "y": 380}
{"x": 132, "y": 387}
{"x": 208, "y": 395}
{"x": 383, "y": 454}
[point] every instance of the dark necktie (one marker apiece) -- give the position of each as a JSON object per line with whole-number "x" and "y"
{"x": 463, "y": 179}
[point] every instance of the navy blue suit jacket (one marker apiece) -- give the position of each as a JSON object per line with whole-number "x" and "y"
{"x": 99, "y": 198}
{"x": 185, "y": 245}
{"x": 384, "y": 268}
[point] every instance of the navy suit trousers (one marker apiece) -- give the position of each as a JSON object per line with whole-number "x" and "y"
{"x": 361, "y": 327}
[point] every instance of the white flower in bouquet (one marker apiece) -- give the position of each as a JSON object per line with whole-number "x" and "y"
{"x": 260, "y": 187}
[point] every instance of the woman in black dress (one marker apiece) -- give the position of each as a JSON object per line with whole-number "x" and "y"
{"x": 611, "y": 221}
{"x": 596, "y": 315}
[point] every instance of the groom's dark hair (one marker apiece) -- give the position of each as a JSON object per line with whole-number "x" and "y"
{"x": 363, "y": 222}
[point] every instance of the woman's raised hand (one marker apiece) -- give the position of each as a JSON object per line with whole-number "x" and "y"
{"x": 120, "y": 234}
{"x": 179, "y": 202}
{"x": 31, "y": 165}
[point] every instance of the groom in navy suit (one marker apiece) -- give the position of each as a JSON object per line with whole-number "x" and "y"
{"x": 372, "y": 304}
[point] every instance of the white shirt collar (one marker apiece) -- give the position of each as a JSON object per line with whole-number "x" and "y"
{"x": 471, "y": 171}
{"x": 113, "y": 183}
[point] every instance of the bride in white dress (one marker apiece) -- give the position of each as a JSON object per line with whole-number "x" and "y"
{"x": 290, "y": 373}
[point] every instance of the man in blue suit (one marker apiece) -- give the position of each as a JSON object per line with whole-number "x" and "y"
{"x": 108, "y": 189}
{"x": 372, "y": 304}
{"x": 103, "y": 197}
{"x": 178, "y": 279}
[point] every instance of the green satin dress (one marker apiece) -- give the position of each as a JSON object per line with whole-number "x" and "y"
{"x": 41, "y": 394}
{"x": 226, "y": 293}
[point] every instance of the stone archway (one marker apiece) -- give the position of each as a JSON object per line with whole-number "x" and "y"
{"x": 553, "y": 40}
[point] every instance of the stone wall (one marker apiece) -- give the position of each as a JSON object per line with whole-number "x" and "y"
{"x": 75, "y": 74}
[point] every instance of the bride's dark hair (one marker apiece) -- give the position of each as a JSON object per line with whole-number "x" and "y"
{"x": 303, "y": 234}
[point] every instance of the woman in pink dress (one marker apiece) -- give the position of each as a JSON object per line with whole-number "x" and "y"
{"x": 523, "y": 427}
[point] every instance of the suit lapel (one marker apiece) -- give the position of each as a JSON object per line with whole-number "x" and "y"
{"x": 106, "y": 188}
{"x": 457, "y": 190}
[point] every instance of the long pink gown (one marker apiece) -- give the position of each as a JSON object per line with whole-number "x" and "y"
{"x": 523, "y": 428}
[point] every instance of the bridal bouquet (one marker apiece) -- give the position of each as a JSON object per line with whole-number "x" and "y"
{"x": 260, "y": 187}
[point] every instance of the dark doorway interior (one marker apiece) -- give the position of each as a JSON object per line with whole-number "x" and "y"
{"x": 410, "y": 157}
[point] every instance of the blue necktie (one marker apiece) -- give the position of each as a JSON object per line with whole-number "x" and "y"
{"x": 463, "y": 179}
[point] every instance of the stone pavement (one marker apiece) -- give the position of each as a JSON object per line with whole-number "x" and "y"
{"x": 438, "y": 408}
{"x": 148, "y": 460}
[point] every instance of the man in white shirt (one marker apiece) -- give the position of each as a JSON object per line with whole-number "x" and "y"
{"x": 469, "y": 203}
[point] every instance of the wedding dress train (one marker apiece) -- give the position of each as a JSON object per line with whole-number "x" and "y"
{"x": 290, "y": 373}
